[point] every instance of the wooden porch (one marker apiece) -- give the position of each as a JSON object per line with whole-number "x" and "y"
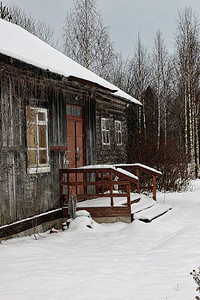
{"x": 107, "y": 192}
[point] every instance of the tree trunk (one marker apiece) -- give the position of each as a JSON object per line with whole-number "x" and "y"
{"x": 197, "y": 143}
{"x": 191, "y": 135}
{"x": 87, "y": 38}
{"x": 186, "y": 122}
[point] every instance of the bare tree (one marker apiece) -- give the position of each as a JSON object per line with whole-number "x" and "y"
{"x": 188, "y": 62}
{"x": 139, "y": 78}
{"x": 119, "y": 72}
{"x": 161, "y": 71}
{"x": 39, "y": 28}
{"x": 86, "y": 39}
{"x": 4, "y": 12}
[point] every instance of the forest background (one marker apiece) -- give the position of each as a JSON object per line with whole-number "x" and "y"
{"x": 164, "y": 132}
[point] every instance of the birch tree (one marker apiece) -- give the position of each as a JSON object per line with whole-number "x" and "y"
{"x": 188, "y": 60}
{"x": 139, "y": 79}
{"x": 16, "y": 15}
{"x": 86, "y": 39}
{"x": 161, "y": 70}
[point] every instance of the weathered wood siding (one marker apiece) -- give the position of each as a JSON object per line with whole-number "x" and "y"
{"x": 114, "y": 110}
{"x": 23, "y": 195}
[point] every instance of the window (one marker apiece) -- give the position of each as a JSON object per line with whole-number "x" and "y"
{"x": 105, "y": 131}
{"x": 118, "y": 132}
{"x": 37, "y": 140}
{"x": 74, "y": 111}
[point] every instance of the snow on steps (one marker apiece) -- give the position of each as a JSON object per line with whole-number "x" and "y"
{"x": 104, "y": 202}
{"x": 143, "y": 207}
{"x": 147, "y": 209}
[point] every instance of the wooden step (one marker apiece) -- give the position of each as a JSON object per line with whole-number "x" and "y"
{"x": 133, "y": 201}
{"x": 149, "y": 214}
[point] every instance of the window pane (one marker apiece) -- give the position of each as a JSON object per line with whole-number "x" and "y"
{"x": 103, "y": 124}
{"x": 78, "y": 111}
{"x": 31, "y": 136}
{"x": 30, "y": 115}
{"x": 42, "y": 156}
{"x": 68, "y": 110}
{"x": 104, "y": 137}
{"x": 107, "y": 138}
{"x": 32, "y": 157}
{"x": 105, "y": 131}
{"x": 107, "y": 124}
{"x": 120, "y": 138}
{"x": 73, "y": 111}
{"x": 42, "y": 136}
{"x": 41, "y": 116}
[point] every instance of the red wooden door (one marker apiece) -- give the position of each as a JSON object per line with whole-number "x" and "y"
{"x": 75, "y": 143}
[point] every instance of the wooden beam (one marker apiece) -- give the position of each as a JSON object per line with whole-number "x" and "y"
{"x": 107, "y": 195}
{"x": 116, "y": 211}
{"x": 29, "y": 223}
{"x": 138, "y": 184}
{"x": 154, "y": 187}
{"x": 111, "y": 189}
{"x": 129, "y": 196}
{"x": 96, "y": 183}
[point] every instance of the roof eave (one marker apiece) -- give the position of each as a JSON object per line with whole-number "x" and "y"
{"x": 89, "y": 83}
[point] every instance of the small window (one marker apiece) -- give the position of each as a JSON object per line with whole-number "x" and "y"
{"x": 74, "y": 111}
{"x": 105, "y": 129}
{"x": 118, "y": 132}
{"x": 37, "y": 140}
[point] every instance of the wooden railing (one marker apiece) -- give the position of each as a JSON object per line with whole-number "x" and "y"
{"x": 103, "y": 180}
{"x": 146, "y": 176}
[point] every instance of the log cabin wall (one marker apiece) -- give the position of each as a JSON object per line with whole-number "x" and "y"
{"x": 23, "y": 195}
{"x": 112, "y": 110}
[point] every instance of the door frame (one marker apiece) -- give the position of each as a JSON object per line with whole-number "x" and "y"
{"x": 80, "y": 118}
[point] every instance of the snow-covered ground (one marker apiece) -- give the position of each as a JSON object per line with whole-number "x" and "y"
{"x": 118, "y": 261}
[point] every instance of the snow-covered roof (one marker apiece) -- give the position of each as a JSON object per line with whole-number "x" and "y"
{"x": 20, "y": 44}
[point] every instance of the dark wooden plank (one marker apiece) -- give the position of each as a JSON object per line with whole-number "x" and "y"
{"x": 154, "y": 187}
{"x": 96, "y": 183}
{"x": 108, "y": 211}
{"x": 108, "y": 195}
{"x": 29, "y": 223}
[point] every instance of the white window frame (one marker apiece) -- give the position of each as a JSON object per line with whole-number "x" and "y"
{"x": 118, "y": 132}
{"x": 39, "y": 168}
{"x": 105, "y": 131}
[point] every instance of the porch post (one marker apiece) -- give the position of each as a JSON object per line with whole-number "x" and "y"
{"x": 138, "y": 184}
{"x": 61, "y": 187}
{"x": 111, "y": 189}
{"x": 102, "y": 186}
{"x": 68, "y": 187}
{"x": 154, "y": 187}
{"x": 128, "y": 195}
{"x": 97, "y": 186}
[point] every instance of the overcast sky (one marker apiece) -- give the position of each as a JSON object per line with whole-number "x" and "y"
{"x": 126, "y": 18}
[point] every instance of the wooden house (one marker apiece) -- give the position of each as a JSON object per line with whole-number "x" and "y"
{"x": 54, "y": 114}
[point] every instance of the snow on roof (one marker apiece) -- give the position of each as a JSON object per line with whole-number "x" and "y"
{"x": 20, "y": 44}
